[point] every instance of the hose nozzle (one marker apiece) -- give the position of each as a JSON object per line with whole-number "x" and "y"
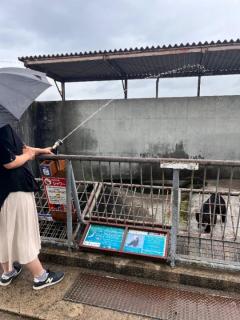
{"x": 58, "y": 143}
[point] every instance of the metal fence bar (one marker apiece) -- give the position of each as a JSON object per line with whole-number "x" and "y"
{"x": 151, "y": 193}
{"x": 201, "y": 210}
{"x": 131, "y": 189}
{"x": 69, "y": 203}
{"x": 175, "y": 217}
{"x": 228, "y": 200}
{"x": 215, "y": 202}
{"x": 163, "y": 207}
{"x": 140, "y": 160}
{"x": 114, "y": 197}
{"x": 189, "y": 209}
{"x": 237, "y": 226}
{"x": 75, "y": 196}
{"x": 95, "y": 194}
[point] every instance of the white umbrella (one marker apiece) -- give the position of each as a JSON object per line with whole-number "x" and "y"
{"x": 19, "y": 88}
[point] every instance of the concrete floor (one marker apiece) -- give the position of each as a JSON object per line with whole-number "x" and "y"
{"x": 11, "y": 316}
{"x": 23, "y": 302}
{"x": 20, "y": 299}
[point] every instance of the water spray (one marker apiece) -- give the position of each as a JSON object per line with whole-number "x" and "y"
{"x": 59, "y": 142}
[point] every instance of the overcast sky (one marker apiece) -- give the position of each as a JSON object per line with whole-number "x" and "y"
{"x": 36, "y": 27}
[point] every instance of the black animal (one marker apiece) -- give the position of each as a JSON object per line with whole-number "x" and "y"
{"x": 213, "y": 206}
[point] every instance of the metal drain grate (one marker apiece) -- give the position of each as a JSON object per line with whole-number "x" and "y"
{"x": 151, "y": 301}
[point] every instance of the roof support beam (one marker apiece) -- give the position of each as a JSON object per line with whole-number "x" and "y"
{"x": 125, "y": 88}
{"x": 199, "y": 86}
{"x": 157, "y": 85}
{"x": 63, "y": 91}
{"x": 59, "y": 90}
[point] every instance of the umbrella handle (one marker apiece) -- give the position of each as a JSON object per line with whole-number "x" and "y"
{"x": 57, "y": 144}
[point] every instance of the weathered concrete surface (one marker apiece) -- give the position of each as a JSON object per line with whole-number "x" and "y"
{"x": 12, "y": 316}
{"x": 48, "y": 304}
{"x": 19, "y": 298}
{"x": 188, "y": 275}
{"x": 205, "y": 127}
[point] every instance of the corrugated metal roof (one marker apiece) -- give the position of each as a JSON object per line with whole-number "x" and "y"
{"x": 184, "y": 60}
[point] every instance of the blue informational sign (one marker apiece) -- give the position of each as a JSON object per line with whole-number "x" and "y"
{"x": 144, "y": 242}
{"x": 104, "y": 237}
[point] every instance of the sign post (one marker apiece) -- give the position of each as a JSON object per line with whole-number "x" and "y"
{"x": 176, "y": 166}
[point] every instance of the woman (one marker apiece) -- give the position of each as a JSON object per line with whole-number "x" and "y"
{"x": 19, "y": 229}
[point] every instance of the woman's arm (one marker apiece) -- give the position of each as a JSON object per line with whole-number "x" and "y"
{"x": 39, "y": 151}
{"x": 28, "y": 154}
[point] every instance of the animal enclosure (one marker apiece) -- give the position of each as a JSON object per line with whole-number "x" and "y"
{"x": 138, "y": 192}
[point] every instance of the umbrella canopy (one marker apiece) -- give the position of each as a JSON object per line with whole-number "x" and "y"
{"x": 19, "y": 88}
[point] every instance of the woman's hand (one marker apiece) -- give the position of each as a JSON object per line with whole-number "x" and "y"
{"x": 46, "y": 150}
{"x": 39, "y": 151}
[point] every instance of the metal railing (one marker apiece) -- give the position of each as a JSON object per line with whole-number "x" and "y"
{"x": 200, "y": 207}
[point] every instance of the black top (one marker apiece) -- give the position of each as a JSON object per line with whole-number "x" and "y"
{"x": 18, "y": 179}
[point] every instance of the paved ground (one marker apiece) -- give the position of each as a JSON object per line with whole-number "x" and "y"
{"x": 19, "y": 298}
{"x": 9, "y": 316}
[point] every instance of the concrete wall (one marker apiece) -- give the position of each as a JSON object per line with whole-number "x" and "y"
{"x": 204, "y": 127}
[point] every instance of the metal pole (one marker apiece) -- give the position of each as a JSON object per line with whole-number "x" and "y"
{"x": 125, "y": 89}
{"x": 175, "y": 217}
{"x": 59, "y": 91}
{"x": 199, "y": 86}
{"x": 75, "y": 196}
{"x": 63, "y": 90}
{"x": 69, "y": 202}
{"x": 157, "y": 83}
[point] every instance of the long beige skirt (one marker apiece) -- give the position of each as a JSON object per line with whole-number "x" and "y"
{"x": 19, "y": 229}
